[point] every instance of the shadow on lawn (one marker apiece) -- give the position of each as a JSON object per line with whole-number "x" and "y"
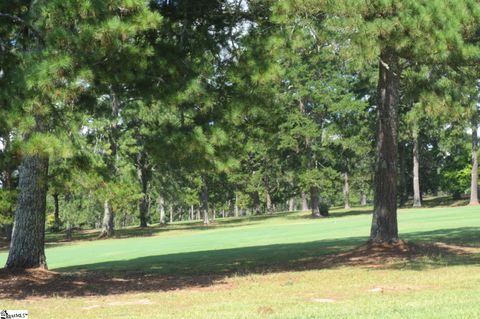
{"x": 198, "y": 270}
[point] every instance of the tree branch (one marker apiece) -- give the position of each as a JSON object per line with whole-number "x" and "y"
{"x": 21, "y": 21}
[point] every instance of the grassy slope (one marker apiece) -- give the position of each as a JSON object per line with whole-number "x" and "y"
{"x": 442, "y": 288}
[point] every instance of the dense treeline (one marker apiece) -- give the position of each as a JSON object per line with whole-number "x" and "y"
{"x": 128, "y": 112}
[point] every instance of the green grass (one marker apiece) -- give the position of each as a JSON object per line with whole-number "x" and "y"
{"x": 252, "y": 259}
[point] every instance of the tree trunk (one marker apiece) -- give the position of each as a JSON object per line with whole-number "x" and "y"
{"x": 28, "y": 238}
{"x": 171, "y": 214}
{"x": 304, "y": 202}
{"x": 56, "y": 212}
{"x": 346, "y": 192}
{"x": 256, "y": 203}
{"x": 108, "y": 223}
{"x": 269, "y": 202}
{"x": 384, "y": 221}
{"x": 236, "y": 205}
{"x": 315, "y": 201}
{"x": 143, "y": 177}
{"x": 291, "y": 204}
{"x": 417, "y": 200}
{"x": 474, "y": 180}
{"x": 403, "y": 173}
{"x": 192, "y": 213}
{"x": 161, "y": 210}
{"x": 363, "y": 199}
{"x": 204, "y": 200}
{"x": 69, "y": 232}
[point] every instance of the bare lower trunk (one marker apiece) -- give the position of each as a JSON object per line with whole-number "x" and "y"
{"x": 346, "y": 192}
{"x": 171, "y": 214}
{"x": 161, "y": 210}
{"x": 192, "y": 213}
{"x": 304, "y": 202}
{"x": 28, "y": 238}
{"x": 291, "y": 204}
{"x": 204, "y": 200}
{"x": 143, "y": 177}
{"x": 236, "y": 205}
{"x": 384, "y": 221}
{"x": 108, "y": 223}
{"x": 363, "y": 199}
{"x": 256, "y": 203}
{"x": 474, "y": 179}
{"x": 269, "y": 203}
{"x": 417, "y": 200}
{"x": 56, "y": 212}
{"x": 314, "y": 200}
{"x": 403, "y": 173}
{"x": 69, "y": 232}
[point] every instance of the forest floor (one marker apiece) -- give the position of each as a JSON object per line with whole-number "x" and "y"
{"x": 281, "y": 266}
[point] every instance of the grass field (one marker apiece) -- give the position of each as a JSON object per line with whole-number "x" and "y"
{"x": 265, "y": 267}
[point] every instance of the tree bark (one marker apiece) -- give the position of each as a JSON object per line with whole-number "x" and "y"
{"x": 108, "y": 223}
{"x": 56, "y": 212}
{"x": 161, "y": 210}
{"x": 269, "y": 203}
{"x": 192, "y": 212}
{"x": 291, "y": 204}
{"x": 256, "y": 203}
{"x": 143, "y": 178}
{"x": 363, "y": 199}
{"x": 304, "y": 202}
{"x": 171, "y": 214}
{"x": 403, "y": 173}
{"x": 28, "y": 238}
{"x": 204, "y": 200}
{"x": 474, "y": 178}
{"x": 346, "y": 191}
{"x": 236, "y": 205}
{"x": 315, "y": 201}
{"x": 417, "y": 199}
{"x": 384, "y": 222}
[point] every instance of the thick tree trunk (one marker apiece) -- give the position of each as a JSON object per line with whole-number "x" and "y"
{"x": 108, "y": 223}
{"x": 403, "y": 173}
{"x": 28, "y": 238}
{"x": 291, "y": 204}
{"x": 56, "y": 212}
{"x": 384, "y": 221}
{"x": 474, "y": 178}
{"x": 269, "y": 203}
{"x": 346, "y": 191}
{"x": 363, "y": 199}
{"x": 204, "y": 200}
{"x": 315, "y": 201}
{"x": 304, "y": 202}
{"x": 417, "y": 199}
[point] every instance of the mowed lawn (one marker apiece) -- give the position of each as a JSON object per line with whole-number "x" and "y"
{"x": 254, "y": 264}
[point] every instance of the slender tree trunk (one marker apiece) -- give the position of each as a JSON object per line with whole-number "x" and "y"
{"x": 315, "y": 201}
{"x": 69, "y": 232}
{"x": 236, "y": 205}
{"x": 291, "y": 204}
{"x": 223, "y": 213}
{"x": 304, "y": 202}
{"x": 256, "y": 203}
{"x": 192, "y": 213}
{"x": 204, "y": 200}
{"x": 56, "y": 212}
{"x": 213, "y": 214}
{"x": 474, "y": 180}
{"x": 28, "y": 238}
{"x": 108, "y": 223}
{"x": 346, "y": 191}
{"x": 403, "y": 173}
{"x": 161, "y": 210}
{"x": 171, "y": 213}
{"x": 417, "y": 200}
{"x": 363, "y": 199}
{"x": 143, "y": 177}
{"x": 384, "y": 221}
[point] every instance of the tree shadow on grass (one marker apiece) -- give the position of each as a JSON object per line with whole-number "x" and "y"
{"x": 208, "y": 269}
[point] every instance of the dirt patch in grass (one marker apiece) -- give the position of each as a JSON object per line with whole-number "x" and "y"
{"x": 37, "y": 283}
